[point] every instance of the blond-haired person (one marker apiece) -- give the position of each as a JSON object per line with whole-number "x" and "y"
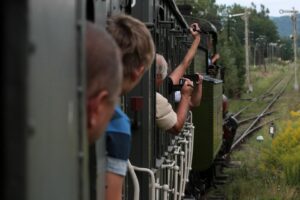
{"x": 137, "y": 47}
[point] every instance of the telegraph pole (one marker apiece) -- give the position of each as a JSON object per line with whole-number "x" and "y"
{"x": 254, "y": 55}
{"x": 294, "y": 20}
{"x": 245, "y": 16}
{"x": 247, "y": 50}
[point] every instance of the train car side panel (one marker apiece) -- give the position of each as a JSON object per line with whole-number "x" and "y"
{"x": 207, "y": 119}
{"x": 56, "y": 140}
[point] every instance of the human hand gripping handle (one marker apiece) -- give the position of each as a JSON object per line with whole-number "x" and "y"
{"x": 195, "y": 30}
{"x": 200, "y": 80}
{"x": 187, "y": 88}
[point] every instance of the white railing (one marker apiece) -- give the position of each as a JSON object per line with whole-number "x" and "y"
{"x": 177, "y": 165}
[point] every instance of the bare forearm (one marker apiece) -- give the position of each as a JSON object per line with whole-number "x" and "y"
{"x": 113, "y": 189}
{"x": 182, "y": 111}
{"x": 215, "y": 58}
{"x": 180, "y": 70}
{"x": 191, "y": 52}
{"x": 196, "y": 96}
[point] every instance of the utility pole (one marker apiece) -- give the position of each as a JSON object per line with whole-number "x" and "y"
{"x": 254, "y": 55}
{"x": 245, "y": 16}
{"x": 294, "y": 20}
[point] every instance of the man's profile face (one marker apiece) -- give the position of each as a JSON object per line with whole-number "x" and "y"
{"x": 103, "y": 112}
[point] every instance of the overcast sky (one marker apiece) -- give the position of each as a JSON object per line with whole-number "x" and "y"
{"x": 273, "y": 5}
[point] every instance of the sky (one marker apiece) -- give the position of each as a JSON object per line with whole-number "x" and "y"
{"x": 273, "y": 5}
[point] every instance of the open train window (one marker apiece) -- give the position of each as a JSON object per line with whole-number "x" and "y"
{"x": 90, "y": 10}
{"x": 161, "y": 13}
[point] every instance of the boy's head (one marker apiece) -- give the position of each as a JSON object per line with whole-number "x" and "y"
{"x": 104, "y": 78}
{"x": 137, "y": 47}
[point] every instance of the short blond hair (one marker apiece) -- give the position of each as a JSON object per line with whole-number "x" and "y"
{"x": 134, "y": 40}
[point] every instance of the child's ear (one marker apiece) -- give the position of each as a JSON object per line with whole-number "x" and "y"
{"x": 138, "y": 72}
{"x": 95, "y": 106}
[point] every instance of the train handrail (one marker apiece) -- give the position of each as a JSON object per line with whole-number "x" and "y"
{"x": 133, "y": 3}
{"x": 136, "y": 185}
{"x": 135, "y": 181}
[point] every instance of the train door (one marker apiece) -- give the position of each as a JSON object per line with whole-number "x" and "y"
{"x": 56, "y": 146}
{"x": 45, "y": 131}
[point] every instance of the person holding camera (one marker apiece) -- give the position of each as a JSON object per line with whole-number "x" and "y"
{"x": 197, "y": 92}
{"x": 166, "y": 118}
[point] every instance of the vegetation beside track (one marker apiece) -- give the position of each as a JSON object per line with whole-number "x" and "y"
{"x": 261, "y": 81}
{"x": 269, "y": 169}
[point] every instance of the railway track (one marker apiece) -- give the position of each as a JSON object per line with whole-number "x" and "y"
{"x": 248, "y": 125}
{"x": 260, "y": 97}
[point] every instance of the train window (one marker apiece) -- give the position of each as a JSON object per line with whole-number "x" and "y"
{"x": 90, "y": 10}
{"x": 161, "y": 13}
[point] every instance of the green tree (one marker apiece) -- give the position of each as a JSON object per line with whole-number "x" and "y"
{"x": 232, "y": 36}
{"x": 259, "y": 25}
{"x": 286, "y": 49}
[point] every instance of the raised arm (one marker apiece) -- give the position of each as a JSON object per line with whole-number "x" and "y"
{"x": 215, "y": 58}
{"x": 182, "y": 67}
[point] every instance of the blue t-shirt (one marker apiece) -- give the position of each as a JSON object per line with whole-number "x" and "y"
{"x": 118, "y": 140}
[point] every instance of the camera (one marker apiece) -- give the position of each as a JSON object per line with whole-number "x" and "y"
{"x": 174, "y": 88}
{"x": 181, "y": 82}
{"x": 192, "y": 77}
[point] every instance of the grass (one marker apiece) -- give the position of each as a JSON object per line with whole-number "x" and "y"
{"x": 257, "y": 177}
{"x": 260, "y": 81}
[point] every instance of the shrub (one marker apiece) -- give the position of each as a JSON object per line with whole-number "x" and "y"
{"x": 285, "y": 151}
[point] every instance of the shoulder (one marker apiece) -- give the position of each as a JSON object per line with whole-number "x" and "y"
{"x": 119, "y": 123}
{"x": 160, "y": 98}
{"x": 119, "y": 113}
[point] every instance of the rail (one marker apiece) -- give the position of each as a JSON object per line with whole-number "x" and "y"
{"x": 251, "y": 128}
{"x": 177, "y": 164}
{"x": 262, "y": 96}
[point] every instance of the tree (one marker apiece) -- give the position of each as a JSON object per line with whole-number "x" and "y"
{"x": 286, "y": 49}
{"x": 231, "y": 36}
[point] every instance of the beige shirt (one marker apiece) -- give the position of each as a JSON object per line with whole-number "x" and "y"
{"x": 166, "y": 118}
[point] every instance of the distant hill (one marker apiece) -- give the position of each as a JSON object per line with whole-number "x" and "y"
{"x": 284, "y": 25}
